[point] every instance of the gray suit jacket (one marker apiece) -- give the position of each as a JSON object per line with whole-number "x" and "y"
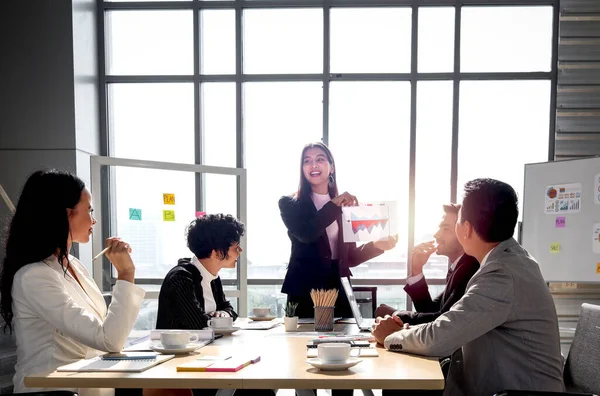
{"x": 506, "y": 325}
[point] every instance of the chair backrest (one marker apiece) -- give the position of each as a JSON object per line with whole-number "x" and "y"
{"x": 583, "y": 362}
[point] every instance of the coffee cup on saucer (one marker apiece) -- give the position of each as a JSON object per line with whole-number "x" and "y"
{"x": 177, "y": 339}
{"x": 221, "y": 323}
{"x": 261, "y": 312}
{"x": 333, "y": 352}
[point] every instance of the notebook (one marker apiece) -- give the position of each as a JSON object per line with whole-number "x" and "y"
{"x": 229, "y": 365}
{"x": 260, "y": 325}
{"x": 99, "y": 364}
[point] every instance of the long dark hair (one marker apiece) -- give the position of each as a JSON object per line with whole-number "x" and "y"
{"x": 304, "y": 188}
{"x": 38, "y": 229}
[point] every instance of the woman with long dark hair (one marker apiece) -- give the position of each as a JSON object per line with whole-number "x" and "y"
{"x": 313, "y": 218}
{"x": 47, "y": 296}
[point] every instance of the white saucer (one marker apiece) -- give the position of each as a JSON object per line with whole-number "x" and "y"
{"x": 187, "y": 349}
{"x": 229, "y": 330}
{"x": 318, "y": 363}
{"x": 261, "y": 318}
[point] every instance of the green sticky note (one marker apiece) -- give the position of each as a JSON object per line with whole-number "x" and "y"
{"x": 168, "y": 215}
{"x": 554, "y": 247}
{"x": 135, "y": 214}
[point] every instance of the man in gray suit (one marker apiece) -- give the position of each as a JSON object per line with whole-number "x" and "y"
{"x": 503, "y": 333}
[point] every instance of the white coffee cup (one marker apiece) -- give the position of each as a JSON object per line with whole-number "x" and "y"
{"x": 221, "y": 323}
{"x": 261, "y": 312}
{"x": 333, "y": 352}
{"x": 177, "y": 339}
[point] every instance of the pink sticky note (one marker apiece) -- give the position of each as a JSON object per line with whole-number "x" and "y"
{"x": 200, "y": 214}
{"x": 561, "y": 222}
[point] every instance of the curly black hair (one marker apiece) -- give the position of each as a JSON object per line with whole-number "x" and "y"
{"x": 216, "y": 232}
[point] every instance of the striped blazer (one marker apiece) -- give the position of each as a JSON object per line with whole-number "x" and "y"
{"x": 181, "y": 299}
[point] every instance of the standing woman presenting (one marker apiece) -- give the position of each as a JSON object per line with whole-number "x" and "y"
{"x": 313, "y": 218}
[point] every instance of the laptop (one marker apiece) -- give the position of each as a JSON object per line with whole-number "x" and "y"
{"x": 363, "y": 324}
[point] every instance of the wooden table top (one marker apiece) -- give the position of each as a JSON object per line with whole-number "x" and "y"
{"x": 282, "y": 366}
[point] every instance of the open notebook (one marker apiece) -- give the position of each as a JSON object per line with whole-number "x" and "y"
{"x": 99, "y": 364}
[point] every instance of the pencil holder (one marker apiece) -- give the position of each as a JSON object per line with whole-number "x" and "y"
{"x": 324, "y": 318}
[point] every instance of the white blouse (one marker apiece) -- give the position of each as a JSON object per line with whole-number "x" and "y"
{"x": 57, "y": 322}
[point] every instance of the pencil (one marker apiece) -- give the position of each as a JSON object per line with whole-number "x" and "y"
{"x": 101, "y": 253}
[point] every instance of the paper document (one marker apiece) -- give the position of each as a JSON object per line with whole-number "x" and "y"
{"x": 369, "y": 221}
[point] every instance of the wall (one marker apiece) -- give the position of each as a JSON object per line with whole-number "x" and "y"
{"x": 48, "y": 103}
{"x": 577, "y": 124}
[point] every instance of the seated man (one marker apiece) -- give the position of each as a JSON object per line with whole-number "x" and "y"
{"x": 192, "y": 292}
{"x": 504, "y": 330}
{"x": 461, "y": 270}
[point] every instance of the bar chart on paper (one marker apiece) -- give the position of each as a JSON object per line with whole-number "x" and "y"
{"x": 368, "y": 222}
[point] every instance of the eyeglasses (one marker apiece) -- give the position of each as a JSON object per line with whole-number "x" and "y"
{"x": 238, "y": 248}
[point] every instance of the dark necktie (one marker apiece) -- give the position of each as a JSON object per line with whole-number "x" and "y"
{"x": 450, "y": 272}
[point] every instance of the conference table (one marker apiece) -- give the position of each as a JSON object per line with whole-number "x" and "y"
{"x": 282, "y": 366}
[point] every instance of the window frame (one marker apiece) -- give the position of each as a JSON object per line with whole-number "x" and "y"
{"x": 326, "y": 78}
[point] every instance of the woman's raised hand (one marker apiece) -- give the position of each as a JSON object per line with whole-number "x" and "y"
{"x": 119, "y": 256}
{"x": 345, "y": 199}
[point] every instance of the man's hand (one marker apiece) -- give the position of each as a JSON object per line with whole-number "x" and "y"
{"x": 386, "y": 243}
{"x": 384, "y": 310}
{"x": 420, "y": 255}
{"x": 383, "y": 327}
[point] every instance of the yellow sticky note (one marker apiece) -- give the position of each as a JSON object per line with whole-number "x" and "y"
{"x": 169, "y": 199}
{"x": 554, "y": 247}
{"x": 168, "y": 215}
{"x": 598, "y": 268}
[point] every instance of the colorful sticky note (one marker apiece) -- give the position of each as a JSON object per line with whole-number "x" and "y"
{"x": 135, "y": 214}
{"x": 561, "y": 222}
{"x": 554, "y": 247}
{"x": 168, "y": 215}
{"x": 169, "y": 199}
{"x": 598, "y": 268}
{"x": 200, "y": 214}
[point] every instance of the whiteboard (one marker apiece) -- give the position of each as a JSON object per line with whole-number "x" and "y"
{"x": 561, "y": 219}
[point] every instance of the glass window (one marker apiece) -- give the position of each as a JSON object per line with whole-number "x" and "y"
{"x": 503, "y": 126}
{"x": 279, "y": 119}
{"x": 266, "y": 296}
{"x": 218, "y": 42}
{"x": 155, "y": 230}
{"x": 149, "y": 42}
{"x": 369, "y": 138}
{"x": 283, "y": 41}
{"x": 506, "y": 39}
{"x": 221, "y": 197}
{"x": 146, "y": 319}
{"x": 152, "y": 121}
{"x": 370, "y": 40}
{"x": 218, "y": 124}
{"x": 436, "y": 39}
{"x": 392, "y": 295}
{"x": 433, "y": 160}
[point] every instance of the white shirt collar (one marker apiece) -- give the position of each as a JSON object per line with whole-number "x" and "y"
{"x": 203, "y": 271}
{"x": 486, "y": 257}
{"x": 455, "y": 262}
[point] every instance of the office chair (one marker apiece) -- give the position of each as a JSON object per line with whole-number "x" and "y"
{"x": 583, "y": 362}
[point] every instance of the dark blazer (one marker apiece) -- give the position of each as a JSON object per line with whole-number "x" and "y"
{"x": 427, "y": 309}
{"x": 310, "y": 264}
{"x": 181, "y": 299}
